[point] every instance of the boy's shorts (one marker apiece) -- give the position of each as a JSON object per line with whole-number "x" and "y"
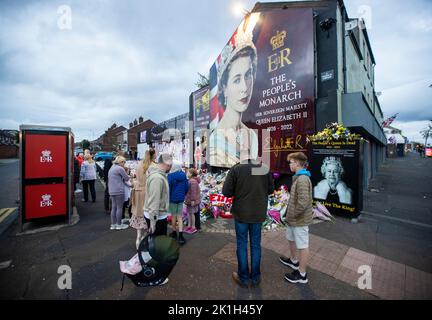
{"x": 176, "y": 209}
{"x": 300, "y": 235}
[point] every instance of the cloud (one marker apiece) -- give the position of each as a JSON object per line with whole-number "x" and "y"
{"x": 423, "y": 24}
{"x": 411, "y": 100}
{"x": 103, "y": 69}
{"x": 411, "y": 129}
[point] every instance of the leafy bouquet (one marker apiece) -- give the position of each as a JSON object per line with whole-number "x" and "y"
{"x": 334, "y": 132}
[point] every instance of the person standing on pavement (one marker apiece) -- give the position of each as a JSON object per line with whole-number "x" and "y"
{"x": 107, "y": 166}
{"x": 77, "y": 168}
{"x": 156, "y": 203}
{"x": 88, "y": 177}
{"x": 192, "y": 201}
{"x": 80, "y": 159}
{"x": 117, "y": 180}
{"x": 138, "y": 195}
{"x": 299, "y": 216}
{"x": 250, "y": 183}
{"x": 179, "y": 186}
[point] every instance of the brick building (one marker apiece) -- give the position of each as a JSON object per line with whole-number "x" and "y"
{"x": 9, "y": 144}
{"x": 135, "y": 128}
{"x": 109, "y": 140}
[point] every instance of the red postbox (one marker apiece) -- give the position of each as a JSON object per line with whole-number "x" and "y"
{"x": 46, "y": 172}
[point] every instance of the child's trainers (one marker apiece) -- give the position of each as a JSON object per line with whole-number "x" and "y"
{"x": 296, "y": 277}
{"x": 187, "y": 230}
{"x": 192, "y": 230}
{"x": 288, "y": 262}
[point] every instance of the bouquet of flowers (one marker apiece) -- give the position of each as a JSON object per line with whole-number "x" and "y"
{"x": 334, "y": 132}
{"x": 320, "y": 212}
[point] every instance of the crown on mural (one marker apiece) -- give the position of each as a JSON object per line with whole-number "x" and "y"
{"x": 334, "y": 160}
{"x": 278, "y": 40}
{"x": 46, "y": 197}
{"x": 242, "y": 38}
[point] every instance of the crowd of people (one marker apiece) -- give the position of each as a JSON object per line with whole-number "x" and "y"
{"x": 158, "y": 188}
{"x": 162, "y": 188}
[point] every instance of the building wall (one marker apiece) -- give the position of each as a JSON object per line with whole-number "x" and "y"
{"x": 8, "y": 151}
{"x": 359, "y": 71}
{"x": 328, "y": 92}
{"x": 360, "y": 106}
{"x": 135, "y": 131}
{"x": 109, "y": 138}
{"x": 340, "y": 61}
{"x": 349, "y": 97}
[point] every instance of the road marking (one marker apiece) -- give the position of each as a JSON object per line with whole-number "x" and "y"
{"x": 419, "y": 224}
{"x": 5, "y": 212}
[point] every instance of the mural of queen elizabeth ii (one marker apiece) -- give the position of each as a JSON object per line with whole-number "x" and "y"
{"x": 236, "y": 73}
{"x": 332, "y": 188}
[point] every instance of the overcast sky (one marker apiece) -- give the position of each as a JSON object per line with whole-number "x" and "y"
{"x": 123, "y": 59}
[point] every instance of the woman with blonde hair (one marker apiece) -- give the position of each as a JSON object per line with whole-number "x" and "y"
{"x": 138, "y": 194}
{"x": 88, "y": 177}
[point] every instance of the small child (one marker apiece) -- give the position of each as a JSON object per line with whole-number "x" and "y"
{"x": 178, "y": 186}
{"x": 127, "y": 202}
{"x": 192, "y": 201}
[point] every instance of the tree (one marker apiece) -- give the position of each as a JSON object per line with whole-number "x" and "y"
{"x": 427, "y": 132}
{"x": 85, "y": 144}
{"x": 203, "y": 81}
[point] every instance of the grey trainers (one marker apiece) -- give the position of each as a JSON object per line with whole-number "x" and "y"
{"x": 122, "y": 226}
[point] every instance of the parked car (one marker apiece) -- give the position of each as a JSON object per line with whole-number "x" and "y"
{"x": 78, "y": 151}
{"x": 103, "y": 155}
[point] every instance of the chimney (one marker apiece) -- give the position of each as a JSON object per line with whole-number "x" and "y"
{"x": 141, "y": 119}
{"x": 130, "y": 125}
{"x": 135, "y": 122}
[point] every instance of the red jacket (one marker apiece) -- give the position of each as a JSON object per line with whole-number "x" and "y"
{"x": 80, "y": 160}
{"x": 194, "y": 193}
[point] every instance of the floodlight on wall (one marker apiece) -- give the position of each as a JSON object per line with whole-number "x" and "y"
{"x": 326, "y": 25}
{"x": 239, "y": 10}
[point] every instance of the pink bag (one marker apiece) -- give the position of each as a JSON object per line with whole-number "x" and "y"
{"x": 133, "y": 266}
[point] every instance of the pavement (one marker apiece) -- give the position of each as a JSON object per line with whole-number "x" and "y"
{"x": 397, "y": 250}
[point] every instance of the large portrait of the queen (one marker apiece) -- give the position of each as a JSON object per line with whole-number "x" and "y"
{"x": 230, "y": 139}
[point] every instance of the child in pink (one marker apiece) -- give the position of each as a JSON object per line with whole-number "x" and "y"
{"x": 192, "y": 201}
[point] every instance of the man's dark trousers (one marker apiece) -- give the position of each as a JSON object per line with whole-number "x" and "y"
{"x": 254, "y": 232}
